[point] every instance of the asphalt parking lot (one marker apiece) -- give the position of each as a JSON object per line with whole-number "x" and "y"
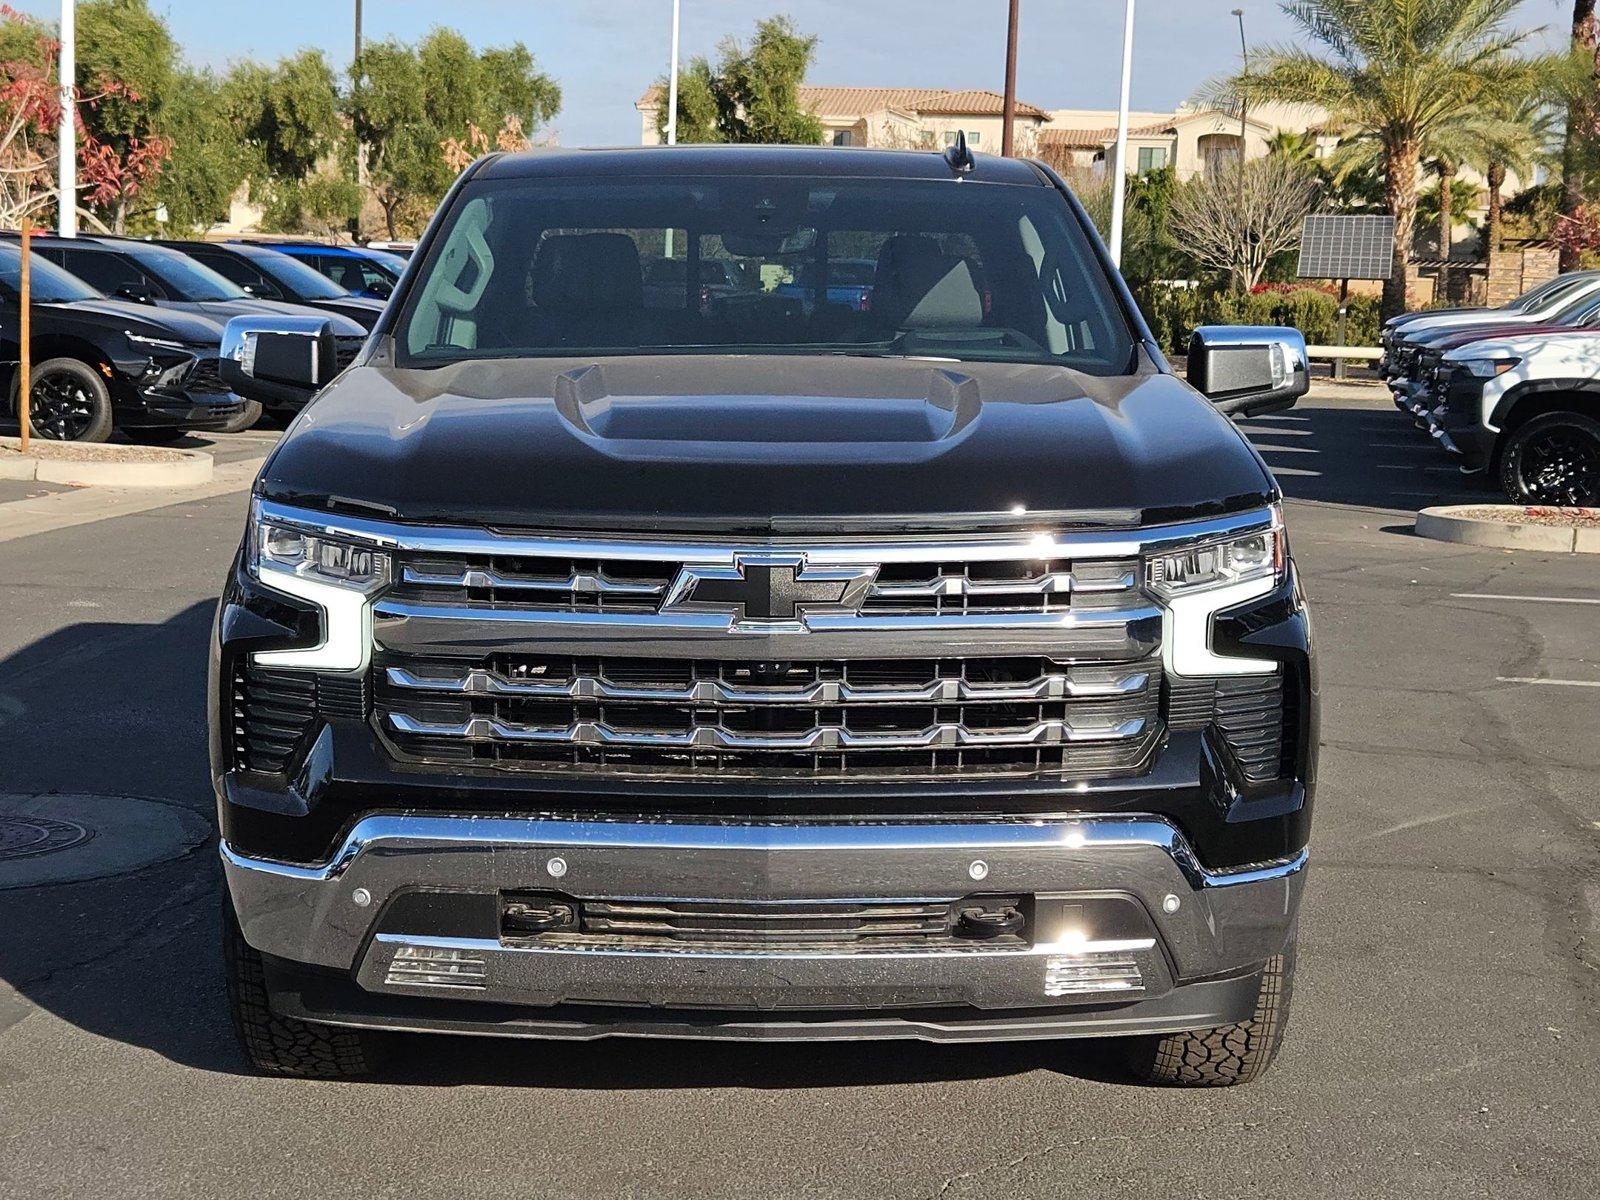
{"x": 1443, "y": 1043}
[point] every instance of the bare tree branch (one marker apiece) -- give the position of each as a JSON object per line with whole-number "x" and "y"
{"x": 1244, "y": 214}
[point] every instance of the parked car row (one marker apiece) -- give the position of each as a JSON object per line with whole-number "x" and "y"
{"x": 126, "y": 333}
{"x": 1512, "y": 392}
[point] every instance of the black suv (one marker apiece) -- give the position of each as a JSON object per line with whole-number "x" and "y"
{"x": 269, "y": 275}
{"x": 150, "y": 273}
{"x": 598, "y": 662}
{"x": 100, "y": 363}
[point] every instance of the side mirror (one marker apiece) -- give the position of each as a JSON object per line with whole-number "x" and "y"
{"x": 278, "y": 360}
{"x": 1249, "y": 369}
{"x": 137, "y": 292}
{"x": 381, "y": 289}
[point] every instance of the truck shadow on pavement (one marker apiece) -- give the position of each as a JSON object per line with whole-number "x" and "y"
{"x": 110, "y": 710}
{"x": 1366, "y": 456}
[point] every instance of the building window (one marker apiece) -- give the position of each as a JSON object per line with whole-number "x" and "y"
{"x": 973, "y": 137}
{"x": 843, "y": 137}
{"x": 1219, "y": 153}
{"x": 1152, "y": 158}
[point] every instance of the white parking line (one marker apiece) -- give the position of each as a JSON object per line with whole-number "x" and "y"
{"x": 1529, "y": 599}
{"x": 1594, "y": 683}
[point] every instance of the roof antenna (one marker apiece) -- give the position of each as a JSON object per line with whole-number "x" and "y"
{"x": 956, "y": 155}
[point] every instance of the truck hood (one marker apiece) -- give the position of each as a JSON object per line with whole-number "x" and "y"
{"x": 145, "y": 319}
{"x": 1433, "y": 323}
{"x": 1560, "y": 354}
{"x": 222, "y": 311}
{"x": 1449, "y": 339}
{"x": 763, "y": 444}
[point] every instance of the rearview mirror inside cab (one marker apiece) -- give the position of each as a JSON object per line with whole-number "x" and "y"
{"x": 1249, "y": 369}
{"x": 278, "y": 359}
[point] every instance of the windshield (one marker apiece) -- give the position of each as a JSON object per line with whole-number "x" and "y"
{"x": 1575, "y": 312}
{"x": 391, "y": 265}
{"x": 1555, "y": 291}
{"x": 294, "y": 276}
{"x": 950, "y": 269}
{"x": 48, "y": 283}
{"x": 186, "y": 279}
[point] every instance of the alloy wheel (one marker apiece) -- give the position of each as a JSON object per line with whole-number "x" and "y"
{"x": 1561, "y": 466}
{"x": 60, "y": 407}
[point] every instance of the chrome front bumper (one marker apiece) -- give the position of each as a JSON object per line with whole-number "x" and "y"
{"x": 1196, "y": 924}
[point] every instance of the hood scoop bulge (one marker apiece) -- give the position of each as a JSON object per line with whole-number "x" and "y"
{"x": 950, "y": 404}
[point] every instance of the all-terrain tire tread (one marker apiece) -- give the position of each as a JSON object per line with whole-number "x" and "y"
{"x": 1224, "y": 1055}
{"x": 284, "y": 1045}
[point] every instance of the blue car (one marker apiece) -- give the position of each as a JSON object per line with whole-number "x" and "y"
{"x": 850, "y": 283}
{"x": 359, "y": 270}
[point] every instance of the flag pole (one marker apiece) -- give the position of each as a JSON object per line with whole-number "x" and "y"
{"x": 67, "y": 134}
{"x": 1119, "y": 185}
{"x": 25, "y": 335}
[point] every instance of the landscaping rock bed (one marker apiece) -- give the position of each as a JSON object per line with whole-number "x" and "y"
{"x": 83, "y": 464}
{"x": 1514, "y": 527}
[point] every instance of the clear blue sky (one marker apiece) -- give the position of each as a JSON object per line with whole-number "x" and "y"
{"x": 605, "y": 52}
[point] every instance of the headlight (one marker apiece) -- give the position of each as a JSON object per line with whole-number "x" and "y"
{"x": 340, "y": 575}
{"x": 1488, "y": 368}
{"x": 1240, "y": 559}
{"x": 140, "y": 342}
{"x": 288, "y": 549}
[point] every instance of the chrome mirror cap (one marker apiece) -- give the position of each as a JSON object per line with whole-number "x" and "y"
{"x": 1249, "y": 369}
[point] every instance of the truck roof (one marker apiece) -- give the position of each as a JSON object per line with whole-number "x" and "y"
{"x": 807, "y": 161}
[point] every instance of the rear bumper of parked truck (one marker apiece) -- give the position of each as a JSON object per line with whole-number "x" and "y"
{"x": 1123, "y": 931}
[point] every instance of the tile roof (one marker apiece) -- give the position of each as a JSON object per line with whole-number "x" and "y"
{"x": 1094, "y": 139}
{"x": 839, "y": 102}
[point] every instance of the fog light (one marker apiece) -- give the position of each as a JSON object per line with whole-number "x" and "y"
{"x": 437, "y": 966}
{"x": 1082, "y": 975}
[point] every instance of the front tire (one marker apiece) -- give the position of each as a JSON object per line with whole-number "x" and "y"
{"x": 1225, "y": 1055}
{"x": 1554, "y": 459}
{"x": 68, "y": 401}
{"x": 247, "y": 418}
{"x": 283, "y": 1045}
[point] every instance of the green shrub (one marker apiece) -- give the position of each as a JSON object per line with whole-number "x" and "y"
{"x": 1173, "y": 314}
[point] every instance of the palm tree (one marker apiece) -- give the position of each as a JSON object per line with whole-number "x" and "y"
{"x": 1396, "y": 70}
{"x": 1514, "y": 140}
{"x": 1580, "y": 82}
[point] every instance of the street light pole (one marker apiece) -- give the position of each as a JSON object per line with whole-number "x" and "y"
{"x": 672, "y": 79}
{"x": 67, "y": 134}
{"x": 1119, "y": 190}
{"x": 1008, "y": 120}
{"x": 672, "y": 101}
{"x": 361, "y": 146}
{"x": 1244, "y": 58}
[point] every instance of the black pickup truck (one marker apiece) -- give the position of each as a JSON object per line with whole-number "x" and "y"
{"x": 597, "y": 664}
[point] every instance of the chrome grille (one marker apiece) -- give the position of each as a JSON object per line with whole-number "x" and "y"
{"x": 1024, "y": 654}
{"x": 927, "y": 588}
{"x": 818, "y": 718}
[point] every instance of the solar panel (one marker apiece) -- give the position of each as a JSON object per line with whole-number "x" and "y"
{"x": 1347, "y": 247}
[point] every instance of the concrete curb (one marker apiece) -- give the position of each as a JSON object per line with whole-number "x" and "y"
{"x": 172, "y": 469}
{"x": 1447, "y": 524}
{"x": 63, "y": 510}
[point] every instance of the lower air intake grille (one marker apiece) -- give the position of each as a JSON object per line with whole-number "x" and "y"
{"x": 843, "y": 926}
{"x": 1249, "y": 715}
{"x": 1247, "y": 710}
{"x": 272, "y": 712}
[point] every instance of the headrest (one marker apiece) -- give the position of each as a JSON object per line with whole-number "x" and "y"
{"x": 588, "y": 270}
{"x": 917, "y": 285}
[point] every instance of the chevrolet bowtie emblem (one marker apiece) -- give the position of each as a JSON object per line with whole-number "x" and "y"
{"x": 768, "y": 588}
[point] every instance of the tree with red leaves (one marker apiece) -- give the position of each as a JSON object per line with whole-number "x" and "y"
{"x": 109, "y": 175}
